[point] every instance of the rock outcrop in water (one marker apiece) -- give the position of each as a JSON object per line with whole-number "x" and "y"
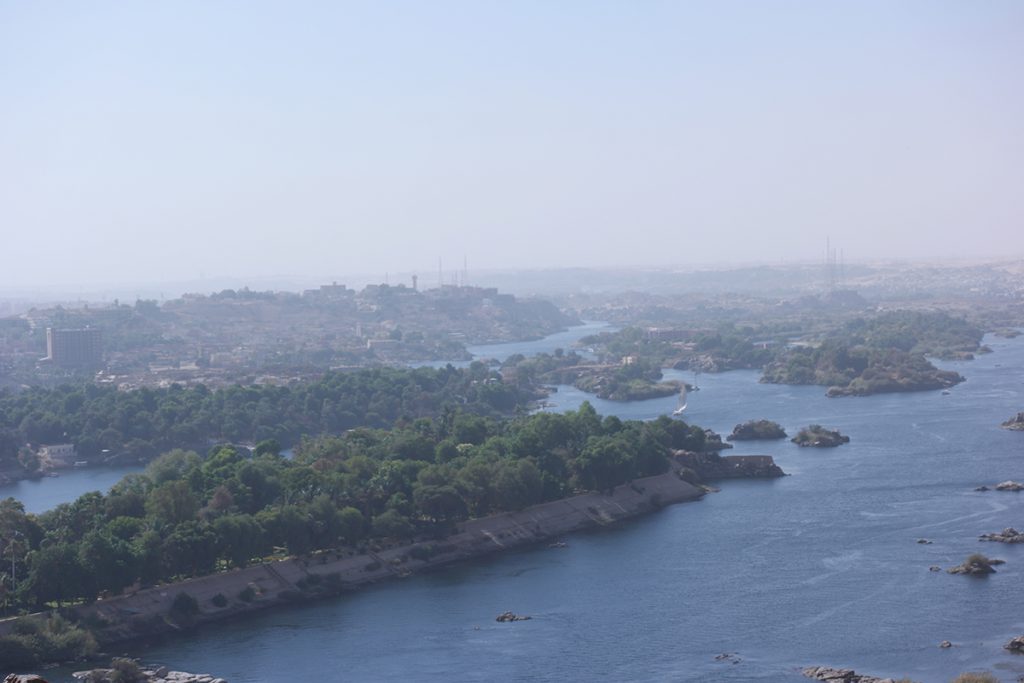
{"x": 512, "y": 616}
{"x": 825, "y": 673}
{"x": 817, "y": 436}
{"x": 757, "y": 429}
{"x": 1015, "y": 645}
{"x": 1007, "y": 535}
{"x": 1015, "y": 423}
{"x": 161, "y": 675}
{"x": 976, "y": 565}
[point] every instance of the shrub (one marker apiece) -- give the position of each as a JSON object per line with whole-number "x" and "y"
{"x": 37, "y": 641}
{"x": 184, "y": 605}
{"x": 372, "y": 566}
{"x": 219, "y": 600}
{"x": 125, "y": 670}
{"x": 247, "y": 594}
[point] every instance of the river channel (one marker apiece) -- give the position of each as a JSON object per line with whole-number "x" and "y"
{"x": 820, "y": 567}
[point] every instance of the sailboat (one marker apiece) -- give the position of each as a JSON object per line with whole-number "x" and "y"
{"x": 682, "y": 402}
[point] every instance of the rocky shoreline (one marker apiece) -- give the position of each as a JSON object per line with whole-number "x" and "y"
{"x": 712, "y": 467}
{"x": 125, "y": 670}
{"x": 145, "y": 675}
{"x": 831, "y": 675}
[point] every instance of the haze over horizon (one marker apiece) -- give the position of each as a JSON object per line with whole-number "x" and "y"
{"x": 162, "y": 142}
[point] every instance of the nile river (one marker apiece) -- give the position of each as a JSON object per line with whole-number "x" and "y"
{"x": 821, "y": 567}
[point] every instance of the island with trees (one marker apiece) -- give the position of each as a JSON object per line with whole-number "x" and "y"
{"x": 757, "y": 429}
{"x": 852, "y": 356}
{"x": 816, "y": 436}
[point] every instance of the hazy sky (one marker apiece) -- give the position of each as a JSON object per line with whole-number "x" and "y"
{"x": 151, "y": 141}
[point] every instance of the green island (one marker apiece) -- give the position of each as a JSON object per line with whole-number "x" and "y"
{"x": 357, "y": 492}
{"x": 852, "y": 356}
{"x": 817, "y": 436}
{"x": 757, "y": 429}
{"x": 630, "y": 378}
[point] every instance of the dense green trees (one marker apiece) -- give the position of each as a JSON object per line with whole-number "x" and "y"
{"x": 881, "y": 354}
{"x": 188, "y": 515}
{"x": 140, "y": 424}
{"x": 858, "y": 370}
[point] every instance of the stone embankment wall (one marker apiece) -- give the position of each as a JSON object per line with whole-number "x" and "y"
{"x": 711, "y": 466}
{"x": 148, "y": 612}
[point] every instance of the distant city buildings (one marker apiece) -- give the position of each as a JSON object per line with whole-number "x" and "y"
{"x": 74, "y": 348}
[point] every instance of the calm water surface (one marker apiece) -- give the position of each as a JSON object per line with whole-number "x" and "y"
{"x": 560, "y": 340}
{"x": 821, "y": 567}
{"x": 40, "y": 495}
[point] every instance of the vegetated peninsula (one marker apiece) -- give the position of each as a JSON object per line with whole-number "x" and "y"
{"x": 879, "y": 355}
{"x": 360, "y": 493}
{"x": 623, "y": 384}
{"x": 630, "y": 378}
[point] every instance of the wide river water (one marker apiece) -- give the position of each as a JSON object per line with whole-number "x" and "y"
{"x": 820, "y": 567}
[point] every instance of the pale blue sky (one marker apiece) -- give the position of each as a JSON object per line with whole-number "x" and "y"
{"x": 159, "y": 140}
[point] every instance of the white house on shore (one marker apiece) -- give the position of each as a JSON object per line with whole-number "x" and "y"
{"x": 57, "y": 455}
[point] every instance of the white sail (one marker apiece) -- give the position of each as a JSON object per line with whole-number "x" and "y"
{"x": 682, "y": 401}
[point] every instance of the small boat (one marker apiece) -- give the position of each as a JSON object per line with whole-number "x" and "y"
{"x": 682, "y": 402}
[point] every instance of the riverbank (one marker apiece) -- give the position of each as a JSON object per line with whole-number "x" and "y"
{"x": 158, "y": 611}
